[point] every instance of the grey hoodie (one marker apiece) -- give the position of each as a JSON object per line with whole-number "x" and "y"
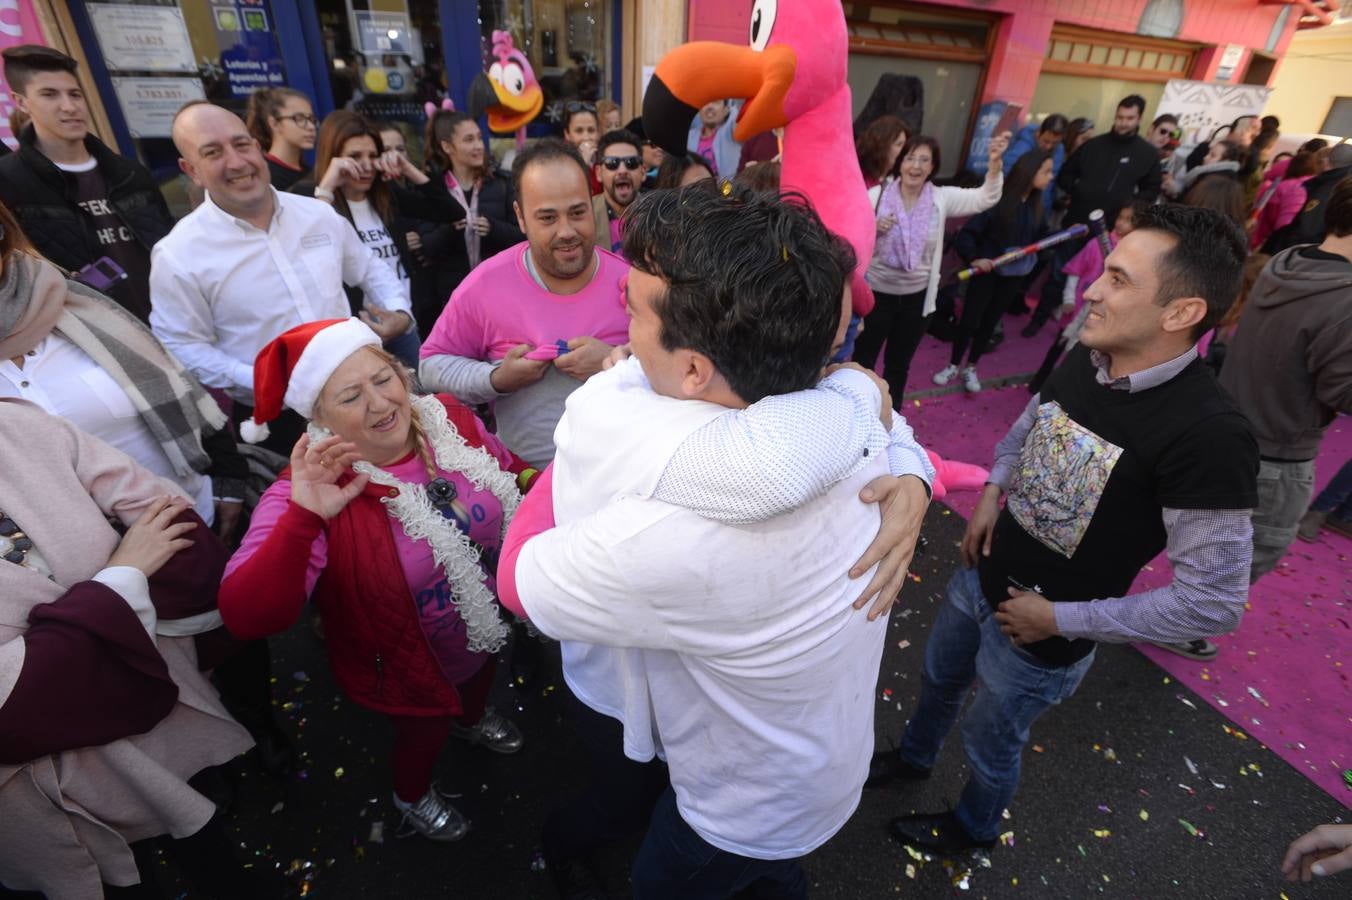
{"x": 1289, "y": 366}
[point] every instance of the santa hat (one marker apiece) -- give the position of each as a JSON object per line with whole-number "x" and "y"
{"x": 292, "y": 370}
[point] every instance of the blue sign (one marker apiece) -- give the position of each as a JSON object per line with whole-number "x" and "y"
{"x": 986, "y": 120}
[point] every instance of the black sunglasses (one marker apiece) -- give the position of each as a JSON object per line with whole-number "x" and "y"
{"x": 629, "y": 162}
{"x": 573, "y": 106}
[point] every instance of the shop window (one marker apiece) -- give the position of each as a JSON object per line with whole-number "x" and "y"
{"x": 385, "y": 60}
{"x": 946, "y": 49}
{"x": 1339, "y": 119}
{"x": 566, "y": 41}
{"x": 161, "y": 54}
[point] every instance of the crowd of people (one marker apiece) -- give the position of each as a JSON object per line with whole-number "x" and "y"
{"x": 448, "y": 408}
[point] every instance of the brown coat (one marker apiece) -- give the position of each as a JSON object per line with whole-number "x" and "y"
{"x": 66, "y": 819}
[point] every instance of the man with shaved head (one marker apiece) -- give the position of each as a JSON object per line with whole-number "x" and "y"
{"x": 250, "y": 263}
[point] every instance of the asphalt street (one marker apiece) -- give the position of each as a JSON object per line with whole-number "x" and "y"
{"x": 1133, "y": 788}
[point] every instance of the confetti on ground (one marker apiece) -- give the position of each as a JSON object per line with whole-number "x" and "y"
{"x": 1007, "y": 839}
{"x": 1037, "y": 748}
{"x": 1145, "y": 816}
{"x": 910, "y": 870}
{"x": 1192, "y": 766}
{"x": 1253, "y": 692}
{"x": 1186, "y": 702}
{"x": 1192, "y": 829}
{"x": 1102, "y": 833}
{"x": 338, "y": 773}
{"x": 902, "y": 645}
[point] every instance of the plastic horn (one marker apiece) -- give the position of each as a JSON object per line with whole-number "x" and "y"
{"x": 1098, "y": 227}
{"x": 1052, "y": 240}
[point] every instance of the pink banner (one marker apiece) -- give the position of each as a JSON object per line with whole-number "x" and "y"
{"x": 18, "y": 25}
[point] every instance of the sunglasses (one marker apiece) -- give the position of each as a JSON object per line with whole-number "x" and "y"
{"x": 573, "y": 106}
{"x": 302, "y": 120}
{"x": 633, "y": 163}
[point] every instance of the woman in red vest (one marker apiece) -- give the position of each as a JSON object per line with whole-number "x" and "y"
{"x": 390, "y": 517}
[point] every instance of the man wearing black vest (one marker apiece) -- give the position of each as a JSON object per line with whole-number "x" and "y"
{"x": 1130, "y": 448}
{"x": 77, "y": 200}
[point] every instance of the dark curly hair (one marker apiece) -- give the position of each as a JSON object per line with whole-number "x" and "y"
{"x": 754, "y": 282}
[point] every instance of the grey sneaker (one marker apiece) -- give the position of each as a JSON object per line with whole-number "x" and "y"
{"x": 495, "y": 732}
{"x": 1201, "y": 650}
{"x": 433, "y": 817}
{"x": 1310, "y": 523}
{"x": 970, "y": 382}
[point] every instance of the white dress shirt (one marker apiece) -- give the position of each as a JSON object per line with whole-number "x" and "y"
{"x": 221, "y": 289}
{"x": 734, "y": 651}
{"x": 62, "y": 379}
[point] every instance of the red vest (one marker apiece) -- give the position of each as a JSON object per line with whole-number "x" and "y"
{"x": 377, "y": 648}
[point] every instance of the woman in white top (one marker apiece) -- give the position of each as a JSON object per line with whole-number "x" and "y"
{"x": 904, "y": 272}
{"x": 382, "y": 194}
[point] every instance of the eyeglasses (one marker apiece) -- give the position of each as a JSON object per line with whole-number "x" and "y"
{"x": 633, "y": 163}
{"x": 573, "y": 106}
{"x": 301, "y": 119}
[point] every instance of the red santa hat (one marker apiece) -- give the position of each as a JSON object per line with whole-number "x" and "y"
{"x": 293, "y": 369}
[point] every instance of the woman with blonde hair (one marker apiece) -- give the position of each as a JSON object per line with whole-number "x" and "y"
{"x": 390, "y": 518}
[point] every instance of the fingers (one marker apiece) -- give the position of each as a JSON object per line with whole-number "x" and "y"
{"x": 1332, "y": 865}
{"x": 168, "y": 510}
{"x": 180, "y": 544}
{"x": 891, "y": 592}
{"x": 986, "y": 543}
{"x": 298, "y": 450}
{"x": 355, "y": 487}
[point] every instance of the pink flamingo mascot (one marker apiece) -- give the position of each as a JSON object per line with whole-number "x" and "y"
{"x": 508, "y": 91}
{"x": 792, "y": 75}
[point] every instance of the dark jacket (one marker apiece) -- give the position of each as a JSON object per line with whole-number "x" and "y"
{"x": 1107, "y": 173}
{"x": 42, "y": 198}
{"x": 1308, "y": 225}
{"x": 412, "y": 209}
{"x": 444, "y": 246}
{"x": 1289, "y": 365}
{"x": 984, "y": 237}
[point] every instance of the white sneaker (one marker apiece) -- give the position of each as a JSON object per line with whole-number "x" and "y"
{"x": 945, "y": 375}
{"x": 969, "y": 379}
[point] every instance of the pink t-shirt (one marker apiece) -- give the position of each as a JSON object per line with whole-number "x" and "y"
{"x": 705, "y": 148}
{"x": 499, "y": 305}
{"x": 477, "y": 512}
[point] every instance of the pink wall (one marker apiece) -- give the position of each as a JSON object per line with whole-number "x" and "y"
{"x": 1026, "y": 25}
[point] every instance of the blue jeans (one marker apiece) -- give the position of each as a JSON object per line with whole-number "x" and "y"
{"x": 674, "y": 862}
{"x": 1016, "y": 687}
{"x": 1337, "y": 497}
{"x": 405, "y": 348}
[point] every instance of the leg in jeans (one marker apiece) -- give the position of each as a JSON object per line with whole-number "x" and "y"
{"x": 948, "y": 673}
{"x": 907, "y": 331}
{"x": 1336, "y": 498}
{"x": 980, "y": 298}
{"x": 1284, "y": 491}
{"x": 1005, "y": 287}
{"x": 405, "y": 348}
{"x": 1015, "y": 689}
{"x": 619, "y": 795}
{"x": 877, "y": 327}
{"x": 418, "y": 741}
{"x": 675, "y": 863}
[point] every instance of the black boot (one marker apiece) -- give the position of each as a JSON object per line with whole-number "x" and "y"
{"x": 887, "y": 767}
{"x": 938, "y": 833}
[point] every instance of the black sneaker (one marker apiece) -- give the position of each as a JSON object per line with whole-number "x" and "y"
{"x": 887, "y": 766}
{"x": 938, "y": 833}
{"x": 1200, "y": 650}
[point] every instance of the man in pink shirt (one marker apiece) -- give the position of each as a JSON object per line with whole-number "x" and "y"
{"x": 530, "y": 325}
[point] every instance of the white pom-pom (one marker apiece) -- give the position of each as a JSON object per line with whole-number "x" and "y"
{"x": 252, "y": 432}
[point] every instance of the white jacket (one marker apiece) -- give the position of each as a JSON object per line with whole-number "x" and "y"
{"x": 956, "y": 202}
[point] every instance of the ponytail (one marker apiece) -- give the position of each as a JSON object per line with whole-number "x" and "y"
{"x": 265, "y": 104}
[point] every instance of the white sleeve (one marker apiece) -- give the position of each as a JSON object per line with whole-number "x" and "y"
{"x": 779, "y": 453}
{"x": 182, "y": 320}
{"x": 131, "y": 585}
{"x": 573, "y": 588}
{"x": 905, "y": 456}
{"x": 381, "y": 287}
{"x": 970, "y": 201}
